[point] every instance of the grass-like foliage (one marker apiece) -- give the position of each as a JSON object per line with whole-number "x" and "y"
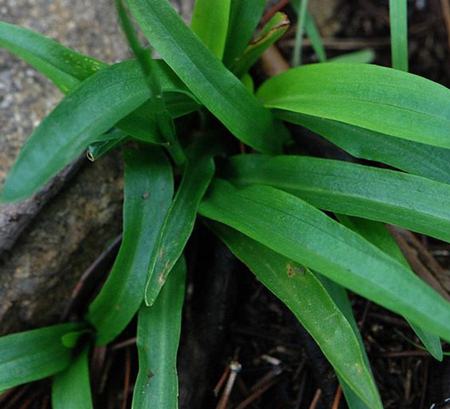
{"x": 267, "y": 207}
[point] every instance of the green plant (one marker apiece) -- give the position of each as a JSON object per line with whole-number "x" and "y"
{"x": 267, "y": 207}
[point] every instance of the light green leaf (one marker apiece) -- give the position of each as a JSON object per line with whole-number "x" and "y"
{"x": 158, "y": 337}
{"x": 244, "y": 18}
{"x": 410, "y": 201}
{"x": 271, "y": 33}
{"x": 372, "y": 97}
{"x": 310, "y": 302}
{"x": 71, "y": 388}
{"x": 398, "y": 16}
{"x": 206, "y": 77}
{"x": 299, "y": 231}
{"x": 378, "y": 235}
{"x": 210, "y": 22}
{"x": 357, "y": 57}
{"x": 406, "y": 155}
{"x": 148, "y": 194}
{"x": 180, "y": 219}
{"x": 32, "y": 355}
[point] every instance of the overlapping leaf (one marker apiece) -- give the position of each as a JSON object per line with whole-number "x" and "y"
{"x": 210, "y": 21}
{"x": 32, "y": 355}
{"x": 206, "y": 77}
{"x": 71, "y": 388}
{"x": 306, "y": 297}
{"x": 148, "y": 194}
{"x": 159, "y": 328}
{"x": 372, "y": 97}
{"x": 410, "y": 201}
{"x": 299, "y": 231}
{"x": 180, "y": 218}
{"x": 406, "y": 155}
{"x": 378, "y": 235}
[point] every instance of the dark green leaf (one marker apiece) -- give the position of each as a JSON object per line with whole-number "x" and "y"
{"x": 340, "y": 297}
{"x": 410, "y": 201}
{"x": 148, "y": 194}
{"x": 215, "y": 87}
{"x": 90, "y": 110}
{"x": 272, "y": 32}
{"x": 398, "y": 16}
{"x": 158, "y": 336}
{"x": 378, "y": 235}
{"x": 406, "y": 155}
{"x": 210, "y": 21}
{"x": 180, "y": 219}
{"x": 310, "y": 302}
{"x": 63, "y": 66}
{"x": 244, "y": 18}
{"x": 372, "y": 97}
{"x": 32, "y": 355}
{"x": 299, "y": 231}
{"x": 71, "y": 388}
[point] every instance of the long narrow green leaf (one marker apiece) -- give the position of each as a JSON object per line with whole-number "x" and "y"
{"x": 32, "y": 355}
{"x": 65, "y": 67}
{"x": 410, "y": 201}
{"x": 148, "y": 194}
{"x": 71, "y": 388}
{"x": 378, "y": 235}
{"x": 90, "y": 110}
{"x": 372, "y": 97}
{"x": 244, "y": 18}
{"x": 180, "y": 219}
{"x": 406, "y": 155}
{"x": 398, "y": 16}
{"x": 299, "y": 231}
{"x": 210, "y": 21}
{"x": 312, "y": 31}
{"x": 314, "y": 36}
{"x": 272, "y": 32}
{"x": 298, "y": 45}
{"x": 216, "y": 87}
{"x": 340, "y": 297}
{"x": 158, "y": 336}
{"x": 310, "y": 302}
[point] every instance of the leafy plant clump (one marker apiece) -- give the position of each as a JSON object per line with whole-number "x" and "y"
{"x": 266, "y": 206}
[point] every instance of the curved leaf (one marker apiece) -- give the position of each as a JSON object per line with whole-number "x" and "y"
{"x": 71, "y": 388}
{"x": 32, "y": 355}
{"x": 413, "y": 202}
{"x": 207, "y": 78}
{"x": 297, "y": 230}
{"x": 180, "y": 219}
{"x": 90, "y": 110}
{"x": 148, "y": 194}
{"x": 306, "y": 297}
{"x": 158, "y": 336}
{"x": 275, "y": 28}
{"x": 406, "y": 155}
{"x": 372, "y": 97}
